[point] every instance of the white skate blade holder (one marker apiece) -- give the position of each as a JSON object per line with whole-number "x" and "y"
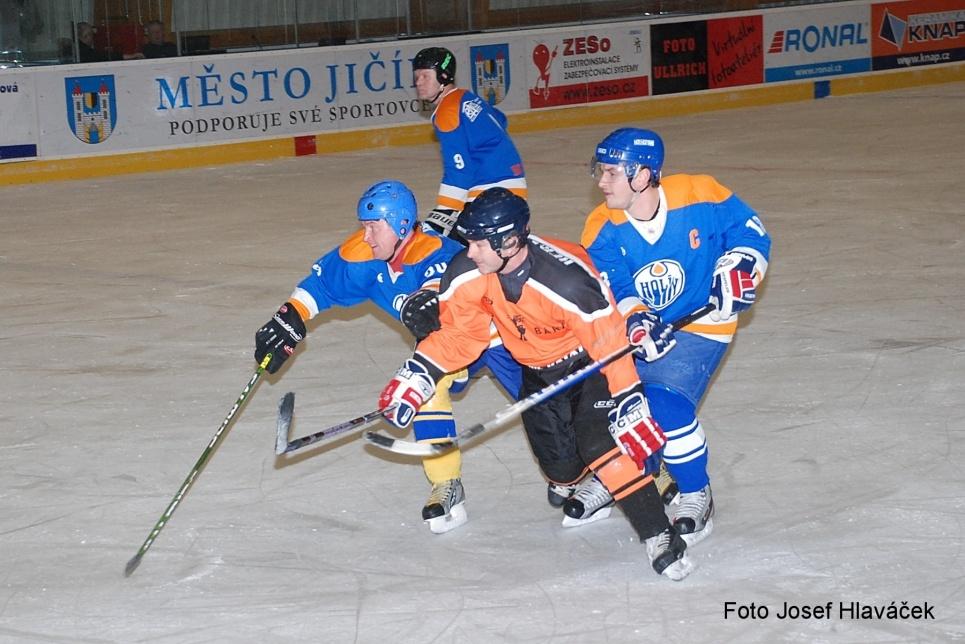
{"x": 679, "y": 569}
{"x": 602, "y": 513}
{"x": 456, "y": 517}
{"x": 700, "y": 535}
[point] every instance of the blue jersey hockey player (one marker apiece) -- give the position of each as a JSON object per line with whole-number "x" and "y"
{"x": 386, "y": 260}
{"x": 477, "y": 152}
{"x": 667, "y": 246}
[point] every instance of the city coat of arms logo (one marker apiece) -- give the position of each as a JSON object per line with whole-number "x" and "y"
{"x": 91, "y": 107}
{"x": 490, "y": 72}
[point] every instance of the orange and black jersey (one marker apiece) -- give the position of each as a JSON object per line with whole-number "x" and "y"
{"x": 553, "y": 306}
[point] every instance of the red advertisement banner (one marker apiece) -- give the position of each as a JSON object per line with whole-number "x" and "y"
{"x": 592, "y": 92}
{"x": 735, "y": 52}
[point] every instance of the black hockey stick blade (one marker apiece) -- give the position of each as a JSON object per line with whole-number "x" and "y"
{"x": 286, "y": 408}
{"x": 133, "y": 564}
{"x": 412, "y": 448}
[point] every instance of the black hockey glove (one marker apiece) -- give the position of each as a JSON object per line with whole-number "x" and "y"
{"x": 279, "y": 337}
{"x": 420, "y": 313}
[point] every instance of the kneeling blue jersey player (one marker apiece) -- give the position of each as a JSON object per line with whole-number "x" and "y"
{"x": 667, "y": 246}
{"x": 389, "y": 258}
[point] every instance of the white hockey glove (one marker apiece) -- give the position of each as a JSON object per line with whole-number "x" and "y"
{"x": 634, "y": 430}
{"x": 652, "y": 337}
{"x": 733, "y": 289}
{"x": 411, "y": 387}
{"x": 442, "y": 220}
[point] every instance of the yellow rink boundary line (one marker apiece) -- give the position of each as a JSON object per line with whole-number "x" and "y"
{"x": 638, "y": 111}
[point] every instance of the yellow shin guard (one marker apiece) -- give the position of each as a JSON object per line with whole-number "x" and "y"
{"x": 449, "y": 465}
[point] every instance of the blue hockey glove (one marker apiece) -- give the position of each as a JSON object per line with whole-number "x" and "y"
{"x": 733, "y": 289}
{"x": 652, "y": 337}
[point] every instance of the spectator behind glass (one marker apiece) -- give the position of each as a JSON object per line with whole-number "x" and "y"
{"x": 156, "y": 46}
{"x": 87, "y": 53}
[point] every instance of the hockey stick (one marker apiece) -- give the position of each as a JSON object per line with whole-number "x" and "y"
{"x": 136, "y": 559}
{"x": 286, "y": 408}
{"x": 402, "y": 446}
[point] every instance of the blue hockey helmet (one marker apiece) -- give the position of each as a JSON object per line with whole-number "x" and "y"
{"x": 631, "y": 148}
{"x": 391, "y": 201}
{"x": 439, "y": 59}
{"x": 496, "y": 215}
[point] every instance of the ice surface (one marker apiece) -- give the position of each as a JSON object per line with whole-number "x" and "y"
{"x": 837, "y": 424}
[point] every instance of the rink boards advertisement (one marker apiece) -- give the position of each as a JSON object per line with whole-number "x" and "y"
{"x": 606, "y": 63}
{"x": 18, "y": 116}
{"x": 907, "y": 34}
{"x": 696, "y": 55}
{"x": 218, "y": 99}
{"x": 136, "y": 106}
{"x": 812, "y": 43}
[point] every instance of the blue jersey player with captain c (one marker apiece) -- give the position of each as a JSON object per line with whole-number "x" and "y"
{"x": 388, "y": 259}
{"x": 667, "y": 246}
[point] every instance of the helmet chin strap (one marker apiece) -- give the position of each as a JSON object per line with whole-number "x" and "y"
{"x": 399, "y": 243}
{"x": 639, "y": 193}
{"x": 442, "y": 90}
{"x": 636, "y": 193}
{"x": 519, "y": 248}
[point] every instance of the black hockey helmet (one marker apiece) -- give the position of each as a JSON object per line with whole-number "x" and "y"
{"x": 496, "y": 215}
{"x": 439, "y": 59}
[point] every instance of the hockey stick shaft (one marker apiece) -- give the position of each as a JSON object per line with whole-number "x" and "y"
{"x": 504, "y": 416}
{"x": 568, "y": 381}
{"x": 198, "y": 466}
{"x": 329, "y": 432}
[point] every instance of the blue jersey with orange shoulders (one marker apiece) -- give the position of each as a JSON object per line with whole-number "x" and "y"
{"x": 477, "y": 152}
{"x": 668, "y": 262}
{"x": 349, "y": 275}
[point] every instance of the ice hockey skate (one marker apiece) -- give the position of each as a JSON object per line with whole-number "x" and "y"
{"x": 668, "y": 555}
{"x": 446, "y": 508}
{"x": 693, "y": 518}
{"x": 557, "y": 494}
{"x": 666, "y": 486}
{"x": 590, "y": 502}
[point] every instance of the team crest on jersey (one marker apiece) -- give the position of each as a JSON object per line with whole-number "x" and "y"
{"x": 490, "y": 72}
{"x": 660, "y": 283}
{"x": 518, "y": 323}
{"x": 91, "y": 107}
